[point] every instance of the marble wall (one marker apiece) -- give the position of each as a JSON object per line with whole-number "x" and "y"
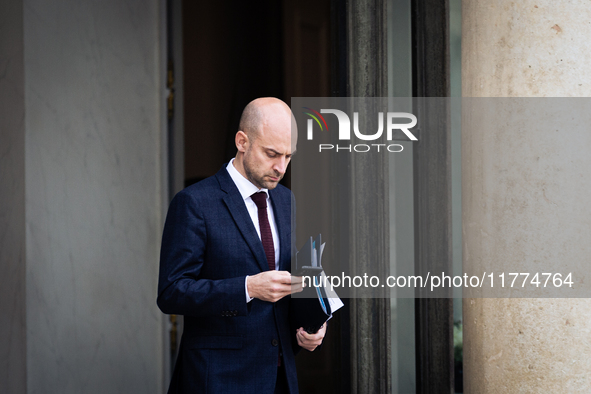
{"x": 91, "y": 149}
{"x": 12, "y": 202}
{"x": 525, "y": 197}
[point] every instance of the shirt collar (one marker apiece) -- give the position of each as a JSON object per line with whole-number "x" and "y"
{"x": 245, "y": 187}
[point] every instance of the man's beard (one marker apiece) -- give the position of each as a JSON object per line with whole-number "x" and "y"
{"x": 259, "y": 181}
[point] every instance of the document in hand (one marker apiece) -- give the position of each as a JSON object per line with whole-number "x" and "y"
{"x": 315, "y": 305}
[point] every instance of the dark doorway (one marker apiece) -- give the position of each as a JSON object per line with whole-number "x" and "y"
{"x": 233, "y": 53}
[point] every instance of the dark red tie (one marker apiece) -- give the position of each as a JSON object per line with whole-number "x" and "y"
{"x": 260, "y": 199}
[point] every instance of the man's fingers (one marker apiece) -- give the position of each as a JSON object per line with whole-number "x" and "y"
{"x": 295, "y": 282}
{"x": 269, "y": 286}
{"x": 309, "y": 341}
{"x": 281, "y": 276}
{"x": 280, "y": 284}
{"x": 296, "y": 289}
{"x": 311, "y": 337}
{"x": 273, "y": 285}
{"x": 296, "y": 286}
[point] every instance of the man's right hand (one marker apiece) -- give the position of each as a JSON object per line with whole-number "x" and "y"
{"x": 272, "y": 286}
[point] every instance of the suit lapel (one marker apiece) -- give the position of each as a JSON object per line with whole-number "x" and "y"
{"x": 237, "y": 208}
{"x": 282, "y": 212}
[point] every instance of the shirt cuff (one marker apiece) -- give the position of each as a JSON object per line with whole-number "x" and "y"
{"x": 248, "y": 297}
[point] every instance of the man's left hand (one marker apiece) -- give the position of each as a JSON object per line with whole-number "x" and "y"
{"x": 310, "y": 341}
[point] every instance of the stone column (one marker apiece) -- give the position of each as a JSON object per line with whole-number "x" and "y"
{"x": 528, "y": 48}
{"x": 12, "y": 201}
{"x": 367, "y": 241}
{"x": 81, "y": 197}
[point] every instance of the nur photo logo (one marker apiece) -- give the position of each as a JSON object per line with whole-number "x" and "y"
{"x": 386, "y": 121}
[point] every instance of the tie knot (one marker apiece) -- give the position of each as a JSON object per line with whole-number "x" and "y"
{"x": 260, "y": 199}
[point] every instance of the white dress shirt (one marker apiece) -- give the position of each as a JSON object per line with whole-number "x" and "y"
{"x": 247, "y": 189}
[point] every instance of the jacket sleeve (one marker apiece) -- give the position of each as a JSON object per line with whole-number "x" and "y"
{"x": 180, "y": 288}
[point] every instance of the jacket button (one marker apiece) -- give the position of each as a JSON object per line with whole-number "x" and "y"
{"x": 235, "y": 313}
{"x": 223, "y": 313}
{"x": 274, "y": 342}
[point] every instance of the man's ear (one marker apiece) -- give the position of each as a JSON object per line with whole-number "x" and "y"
{"x": 241, "y": 141}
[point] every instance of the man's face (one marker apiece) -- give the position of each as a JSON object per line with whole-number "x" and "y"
{"x": 268, "y": 154}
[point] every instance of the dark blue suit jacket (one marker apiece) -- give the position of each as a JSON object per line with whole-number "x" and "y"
{"x": 209, "y": 245}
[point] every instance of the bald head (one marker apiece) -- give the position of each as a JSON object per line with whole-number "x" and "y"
{"x": 265, "y": 142}
{"x": 260, "y": 113}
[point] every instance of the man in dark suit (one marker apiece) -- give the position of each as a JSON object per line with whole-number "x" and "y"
{"x": 226, "y": 252}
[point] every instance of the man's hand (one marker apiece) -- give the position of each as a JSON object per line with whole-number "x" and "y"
{"x": 310, "y": 341}
{"x": 272, "y": 286}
